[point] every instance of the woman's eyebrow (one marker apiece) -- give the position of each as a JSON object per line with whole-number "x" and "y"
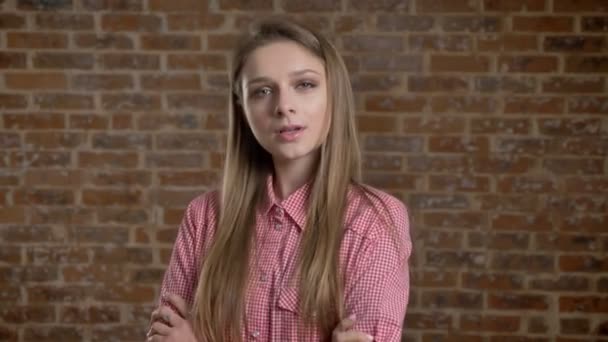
{"x": 262, "y": 79}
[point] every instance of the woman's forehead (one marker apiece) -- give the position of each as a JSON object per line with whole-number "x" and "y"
{"x": 280, "y": 59}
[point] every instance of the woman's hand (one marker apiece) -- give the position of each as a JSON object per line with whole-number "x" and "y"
{"x": 168, "y": 326}
{"x": 342, "y": 333}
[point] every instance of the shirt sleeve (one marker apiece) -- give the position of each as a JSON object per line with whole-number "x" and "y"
{"x": 181, "y": 275}
{"x": 380, "y": 290}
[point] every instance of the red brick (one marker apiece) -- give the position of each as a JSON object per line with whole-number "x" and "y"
{"x": 252, "y": 5}
{"x": 63, "y": 60}
{"x": 131, "y": 22}
{"x": 434, "y": 279}
{"x": 494, "y": 281}
{"x": 12, "y": 215}
{"x": 365, "y": 83}
{"x": 454, "y": 63}
{"x": 405, "y": 103}
{"x": 179, "y": 6}
{"x": 131, "y": 102}
{"x": 543, "y": 24}
{"x": 587, "y": 304}
{"x": 102, "y": 82}
{"x": 121, "y": 141}
{"x": 200, "y": 101}
{"x": 173, "y": 42}
{"x": 37, "y": 80}
{"x": 107, "y": 159}
{"x": 538, "y": 263}
{"x": 562, "y": 166}
{"x": 514, "y": 5}
{"x": 64, "y": 21}
{"x": 444, "y": 6}
{"x": 562, "y": 84}
{"x": 44, "y": 159}
{"x": 580, "y": 6}
{"x": 580, "y": 326}
{"x": 46, "y": 215}
{"x": 437, "y": 84}
{"x": 13, "y": 101}
{"x": 444, "y": 42}
{"x": 171, "y": 82}
{"x": 577, "y": 127}
{"x": 11, "y": 21}
{"x": 439, "y": 125}
{"x": 205, "y": 62}
{"x": 104, "y": 41}
{"x": 27, "y": 40}
{"x": 513, "y": 301}
{"x": 586, "y": 64}
{"x": 401, "y": 22}
{"x": 538, "y": 222}
{"x": 194, "y": 22}
{"x": 89, "y": 314}
{"x": 494, "y": 323}
{"x": 574, "y": 44}
{"x": 122, "y": 332}
{"x": 349, "y": 24}
{"x": 567, "y": 243}
{"x": 43, "y": 333}
{"x": 507, "y": 42}
{"x": 511, "y": 84}
{"x": 525, "y": 184}
{"x": 111, "y": 197}
{"x": 500, "y": 126}
{"x": 42, "y": 5}
{"x": 310, "y": 6}
{"x": 564, "y": 283}
{"x": 451, "y": 259}
{"x": 188, "y": 178}
{"x": 528, "y": 63}
{"x": 28, "y": 314}
{"x": 175, "y": 160}
{"x": 501, "y": 164}
{"x": 588, "y": 105}
{"x": 64, "y": 101}
{"x": 186, "y": 121}
{"x": 594, "y": 24}
{"x": 12, "y": 60}
{"x": 391, "y": 62}
{"x": 449, "y": 144}
{"x": 391, "y": 180}
{"x": 129, "y": 62}
{"x": 453, "y": 299}
{"x": 376, "y": 123}
{"x": 583, "y": 263}
{"x": 43, "y": 196}
{"x": 86, "y": 121}
{"x": 54, "y": 140}
{"x": 375, "y": 43}
{"x": 115, "y": 5}
{"x": 468, "y": 23}
{"x": 460, "y": 183}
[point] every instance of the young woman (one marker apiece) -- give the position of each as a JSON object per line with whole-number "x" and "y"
{"x": 293, "y": 247}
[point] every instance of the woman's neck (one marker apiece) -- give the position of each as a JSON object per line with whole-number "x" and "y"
{"x": 291, "y": 175}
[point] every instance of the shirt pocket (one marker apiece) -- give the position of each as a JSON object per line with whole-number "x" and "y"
{"x": 291, "y": 324}
{"x": 288, "y": 300}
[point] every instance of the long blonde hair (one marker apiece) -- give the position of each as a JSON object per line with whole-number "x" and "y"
{"x": 219, "y": 298}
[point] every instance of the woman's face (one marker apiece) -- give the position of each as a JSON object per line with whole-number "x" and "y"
{"x": 285, "y": 100}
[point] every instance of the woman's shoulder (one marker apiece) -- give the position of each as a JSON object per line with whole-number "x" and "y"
{"x": 369, "y": 210}
{"x": 204, "y": 206}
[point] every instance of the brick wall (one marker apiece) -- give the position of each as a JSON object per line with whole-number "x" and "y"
{"x": 489, "y": 118}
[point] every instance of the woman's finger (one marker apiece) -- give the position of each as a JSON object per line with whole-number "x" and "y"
{"x": 180, "y": 304}
{"x": 159, "y": 328}
{"x": 353, "y": 336}
{"x": 346, "y": 323}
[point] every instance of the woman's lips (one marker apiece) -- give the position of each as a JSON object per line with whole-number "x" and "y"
{"x": 290, "y": 133}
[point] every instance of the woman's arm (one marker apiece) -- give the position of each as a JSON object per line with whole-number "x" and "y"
{"x": 378, "y": 291}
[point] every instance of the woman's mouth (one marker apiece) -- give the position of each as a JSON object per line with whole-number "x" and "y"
{"x": 290, "y": 133}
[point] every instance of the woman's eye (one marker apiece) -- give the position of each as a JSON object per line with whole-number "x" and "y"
{"x": 261, "y": 92}
{"x": 306, "y": 84}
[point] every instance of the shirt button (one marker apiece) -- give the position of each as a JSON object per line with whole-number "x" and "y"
{"x": 263, "y": 277}
{"x": 255, "y": 334}
{"x": 278, "y": 226}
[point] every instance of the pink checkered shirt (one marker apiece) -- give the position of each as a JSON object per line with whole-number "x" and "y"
{"x": 376, "y": 273}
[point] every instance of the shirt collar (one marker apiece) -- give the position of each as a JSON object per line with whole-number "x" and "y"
{"x": 295, "y": 205}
